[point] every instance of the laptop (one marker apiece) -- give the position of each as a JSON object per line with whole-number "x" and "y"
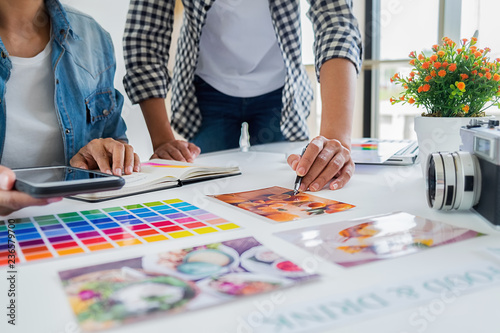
{"x": 384, "y": 151}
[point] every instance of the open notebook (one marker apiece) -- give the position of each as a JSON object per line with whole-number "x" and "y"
{"x": 159, "y": 174}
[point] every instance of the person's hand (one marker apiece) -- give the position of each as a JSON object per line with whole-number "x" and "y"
{"x": 108, "y": 155}
{"x": 177, "y": 150}
{"x": 11, "y": 200}
{"x": 323, "y": 161}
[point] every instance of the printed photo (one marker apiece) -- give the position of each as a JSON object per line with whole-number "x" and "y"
{"x": 280, "y": 205}
{"x": 360, "y": 241}
{"x": 118, "y": 293}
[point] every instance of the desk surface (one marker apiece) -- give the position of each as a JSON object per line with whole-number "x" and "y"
{"x": 43, "y": 307}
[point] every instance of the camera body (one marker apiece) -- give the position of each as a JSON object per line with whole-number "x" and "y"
{"x": 483, "y": 140}
{"x": 469, "y": 178}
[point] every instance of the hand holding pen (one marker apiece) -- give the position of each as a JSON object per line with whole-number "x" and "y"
{"x": 325, "y": 161}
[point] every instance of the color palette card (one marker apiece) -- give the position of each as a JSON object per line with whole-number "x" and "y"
{"x": 51, "y": 236}
{"x": 280, "y": 205}
{"x": 360, "y": 241}
{"x": 157, "y": 285}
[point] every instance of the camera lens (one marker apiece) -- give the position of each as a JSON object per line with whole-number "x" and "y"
{"x": 453, "y": 180}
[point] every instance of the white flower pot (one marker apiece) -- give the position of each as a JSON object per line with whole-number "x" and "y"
{"x": 438, "y": 134}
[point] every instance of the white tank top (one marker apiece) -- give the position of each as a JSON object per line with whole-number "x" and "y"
{"x": 33, "y": 135}
{"x": 239, "y": 52}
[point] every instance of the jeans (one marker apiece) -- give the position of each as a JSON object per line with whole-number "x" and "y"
{"x": 224, "y": 115}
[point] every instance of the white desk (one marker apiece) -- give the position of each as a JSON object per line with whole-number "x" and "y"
{"x": 43, "y": 307}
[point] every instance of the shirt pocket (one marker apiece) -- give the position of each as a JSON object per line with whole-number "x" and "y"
{"x": 100, "y": 105}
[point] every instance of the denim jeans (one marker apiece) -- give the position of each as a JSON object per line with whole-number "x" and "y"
{"x": 223, "y": 116}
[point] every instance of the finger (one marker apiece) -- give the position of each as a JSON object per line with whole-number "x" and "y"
{"x": 194, "y": 149}
{"x": 11, "y": 201}
{"x": 137, "y": 163}
{"x": 7, "y": 178}
{"x": 330, "y": 171}
{"x": 183, "y": 149}
{"x": 79, "y": 161}
{"x": 117, "y": 150}
{"x": 96, "y": 152}
{"x": 344, "y": 177}
{"x": 309, "y": 156}
{"x": 293, "y": 160}
{"x": 128, "y": 161}
{"x": 176, "y": 155}
{"x": 163, "y": 154}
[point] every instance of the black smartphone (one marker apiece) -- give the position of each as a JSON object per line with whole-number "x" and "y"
{"x": 59, "y": 181}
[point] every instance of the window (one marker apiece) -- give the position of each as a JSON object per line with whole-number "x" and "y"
{"x": 394, "y": 28}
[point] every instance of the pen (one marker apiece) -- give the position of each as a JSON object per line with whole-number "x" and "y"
{"x": 298, "y": 180}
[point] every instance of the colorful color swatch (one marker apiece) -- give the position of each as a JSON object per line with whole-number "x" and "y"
{"x": 162, "y": 284}
{"x": 280, "y": 205}
{"x": 360, "y": 241}
{"x": 51, "y": 236}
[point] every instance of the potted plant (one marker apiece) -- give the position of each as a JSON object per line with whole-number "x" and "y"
{"x": 453, "y": 84}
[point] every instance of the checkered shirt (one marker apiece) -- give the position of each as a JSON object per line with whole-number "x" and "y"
{"x": 148, "y": 34}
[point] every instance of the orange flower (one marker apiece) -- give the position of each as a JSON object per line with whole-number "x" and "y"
{"x": 433, "y": 73}
{"x": 412, "y": 54}
{"x": 445, "y": 64}
{"x": 460, "y": 86}
{"x": 412, "y": 62}
{"x": 402, "y": 98}
{"x": 441, "y": 53}
{"x": 421, "y": 57}
{"x": 442, "y": 73}
{"x": 465, "y": 108}
{"x": 428, "y": 78}
{"x": 405, "y": 86}
{"x": 412, "y": 74}
{"x": 477, "y": 54}
{"x": 480, "y": 74}
{"x": 392, "y": 100}
{"x": 473, "y": 49}
{"x": 426, "y": 87}
{"x": 411, "y": 100}
{"x": 464, "y": 40}
{"x": 420, "y": 89}
{"x": 474, "y": 72}
{"x": 433, "y": 57}
{"x": 488, "y": 75}
{"x": 425, "y": 65}
{"x": 459, "y": 51}
{"x": 473, "y": 40}
{"x": 435, "y": 47}
{"x": 452, "y": 67}
{"x": 464, "y": 76}
{"x": 496, "y": 77}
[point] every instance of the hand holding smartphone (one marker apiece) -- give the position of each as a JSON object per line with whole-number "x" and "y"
{"x": 59, "y": 181}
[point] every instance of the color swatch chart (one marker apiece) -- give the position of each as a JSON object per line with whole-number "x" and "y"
{"x": 51, "y": 236}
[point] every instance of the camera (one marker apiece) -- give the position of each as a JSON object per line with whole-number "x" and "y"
{"x": 469, "y": 178}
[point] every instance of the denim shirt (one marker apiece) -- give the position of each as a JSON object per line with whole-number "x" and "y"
{"x": 87, "y": 104}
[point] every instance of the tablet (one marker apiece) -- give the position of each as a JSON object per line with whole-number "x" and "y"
{"x": 58, "y": 181}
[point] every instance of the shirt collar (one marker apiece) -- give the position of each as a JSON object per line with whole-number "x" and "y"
{"x": 61, "y": 28}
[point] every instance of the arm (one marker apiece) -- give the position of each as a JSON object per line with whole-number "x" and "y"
{"x": 338, "y": 59}
{"x": 11, "y": 200}
{"x": 164, "y": 143}
{"x": 147, "y": 42}
{"x": 328, "y": 155}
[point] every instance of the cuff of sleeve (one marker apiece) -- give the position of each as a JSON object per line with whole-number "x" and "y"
{"x": 146, "y": 82}
{"x": 341, "y": 44}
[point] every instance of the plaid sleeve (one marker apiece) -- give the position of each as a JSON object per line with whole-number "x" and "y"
{"x": 336, "y": 32}
{"x": 146, "y": 43}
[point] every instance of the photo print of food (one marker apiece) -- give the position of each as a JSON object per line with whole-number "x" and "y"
{"x": 122, "y": 292}
{"x": 280, "y": 205}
